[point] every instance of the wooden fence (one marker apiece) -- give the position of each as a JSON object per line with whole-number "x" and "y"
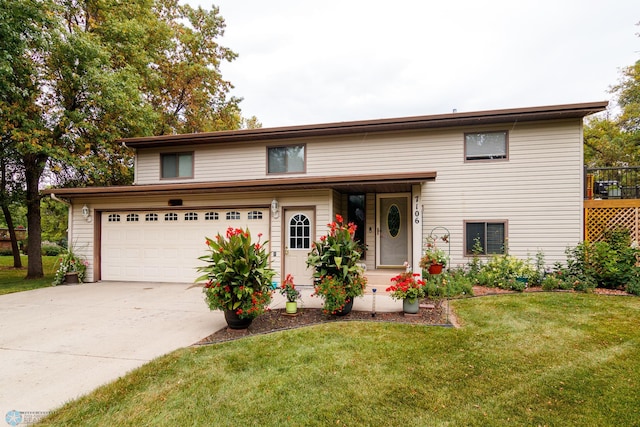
{"x": 612, "y": 214}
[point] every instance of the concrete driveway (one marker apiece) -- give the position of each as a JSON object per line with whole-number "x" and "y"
{"x": 59, "y": 343}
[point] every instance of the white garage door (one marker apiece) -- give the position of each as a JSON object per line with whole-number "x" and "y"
{"x": 164, "y": 246}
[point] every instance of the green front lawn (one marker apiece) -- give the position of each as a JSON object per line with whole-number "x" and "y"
{"x": 523, "y": 359}
{"x": 13, "y": 280}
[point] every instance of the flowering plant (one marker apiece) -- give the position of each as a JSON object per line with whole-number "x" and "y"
{"x": 335, "y": 293}
{"x": 238, "y": 276}
{"x": 407, "y": 286}
{"x": 69, "y": 262}
{"x": 335, "y": 260}
{"x": 433, "y": 254}
{"x": 288, "y": 289}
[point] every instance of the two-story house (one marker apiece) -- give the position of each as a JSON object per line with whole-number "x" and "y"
{"x": 508, "y": 178}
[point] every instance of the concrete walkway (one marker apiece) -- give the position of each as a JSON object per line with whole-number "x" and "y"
{"x": 59, "y": 343}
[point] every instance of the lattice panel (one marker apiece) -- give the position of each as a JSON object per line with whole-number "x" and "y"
{"x": 599, "y": 220}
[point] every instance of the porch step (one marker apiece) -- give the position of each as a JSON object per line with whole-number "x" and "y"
{"x": 380, "y": 279}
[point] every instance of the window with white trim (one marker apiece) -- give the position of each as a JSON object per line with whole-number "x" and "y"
{"x": 299, "y": 232}
{"x": 286, "y": 159}
{"x": 486, "y": 146}
{"x": 211, "y": 216}
{"x": 254, "y": 215}
{"x": 171, "y": 216}
{"x": 132, "y": 217}
{"x": 233, "y": 215}
{"x": 485, "y": 238}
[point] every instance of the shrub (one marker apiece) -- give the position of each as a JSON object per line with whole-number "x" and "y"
{"x": 448, "y": 284}
{"x": 6, "y": 252}
{"x": 502, "y": 271}
{"x": 51, "y": 249}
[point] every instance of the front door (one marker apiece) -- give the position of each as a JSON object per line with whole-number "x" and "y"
{"x": 299, "y": 234}
{"x": 393, "y": 230}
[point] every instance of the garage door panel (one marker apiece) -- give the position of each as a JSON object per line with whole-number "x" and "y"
{"x": 164, "y": 250}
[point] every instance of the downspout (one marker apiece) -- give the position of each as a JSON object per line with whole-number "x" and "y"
{"x": 69, "y": 219}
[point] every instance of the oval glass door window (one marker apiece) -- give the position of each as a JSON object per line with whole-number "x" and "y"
{"x": 393, "y": 220}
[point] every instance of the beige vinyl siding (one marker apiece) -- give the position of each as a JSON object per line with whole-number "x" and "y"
{"x": 522, "y": 190}
{"x": 538, "y": 191}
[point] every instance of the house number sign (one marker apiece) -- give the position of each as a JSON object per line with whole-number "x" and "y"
{"x": 416, "y": 209}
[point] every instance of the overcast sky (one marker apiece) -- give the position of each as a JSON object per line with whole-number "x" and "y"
{"x": 306, "y": 62}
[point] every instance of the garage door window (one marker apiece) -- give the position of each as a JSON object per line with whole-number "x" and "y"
{"x": 133, "y": 218}
{"x": 255, "y": 215}
{"x": 151, "y": 217}
{"x": 191, "y": 216}
{"x": 114, "y": 218}
{"x": 171, "y": 216}
{"x": 233, "y": 215}
{"x": 211, "y": 216}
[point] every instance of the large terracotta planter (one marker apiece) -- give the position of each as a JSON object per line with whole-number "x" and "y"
{"x": 235, "y": 322}
{"x": 435, "y": 268}
{"x": 348, "y": 306}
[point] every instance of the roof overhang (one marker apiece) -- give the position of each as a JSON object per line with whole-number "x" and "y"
{"x": 395, "y": 182}
{"x": 554, "y": 112}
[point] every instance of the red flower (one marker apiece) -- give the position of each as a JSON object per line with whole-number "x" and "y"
{"x": 339, "y": 218}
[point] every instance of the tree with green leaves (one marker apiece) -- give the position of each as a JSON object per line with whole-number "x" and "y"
{"x": 95, "y": 71}
{"x": 616, "y": 141}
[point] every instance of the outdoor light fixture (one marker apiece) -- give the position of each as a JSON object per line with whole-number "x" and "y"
{"x": 275, "y": 208}
{"x": 85, "y": 213}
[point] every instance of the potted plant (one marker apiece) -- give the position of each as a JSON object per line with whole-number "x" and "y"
{"x": 288, "y": 289}
{"x": 338, "y": 277}
{"x": 238, "y": 277}
{"x": 434, "y": 259}
{"x": 71, "y": 269}
{"x": 407, "y": 287}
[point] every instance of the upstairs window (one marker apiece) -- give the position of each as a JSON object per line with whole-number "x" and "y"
{"x": 176, "y": 165}
{"x": 485, "y": 238}
{"x": 288, "y": 159}
{"x": 485, "y": 146}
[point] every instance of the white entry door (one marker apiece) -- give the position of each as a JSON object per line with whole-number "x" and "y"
{"x": 393, "y": 230}
{"x": 299, "y": 234}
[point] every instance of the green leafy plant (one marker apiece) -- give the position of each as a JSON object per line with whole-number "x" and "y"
{"x": 406, "y": 285}
{"x": 432, "y": 254}
{"x": 237, "y": 273}
{"x": 334, "y": 258}
{"x": 504, "y": 271}
{"x": 69, "y": 262}
{"x": 453, "y": 283}
{"x": 288, "y": 289}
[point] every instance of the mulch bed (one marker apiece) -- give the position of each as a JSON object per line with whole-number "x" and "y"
{"x": 429, "y": 314}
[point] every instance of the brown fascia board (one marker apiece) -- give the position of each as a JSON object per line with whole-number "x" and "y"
{"x": 246, "y": 185}
{"x": 553, "y": 112}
